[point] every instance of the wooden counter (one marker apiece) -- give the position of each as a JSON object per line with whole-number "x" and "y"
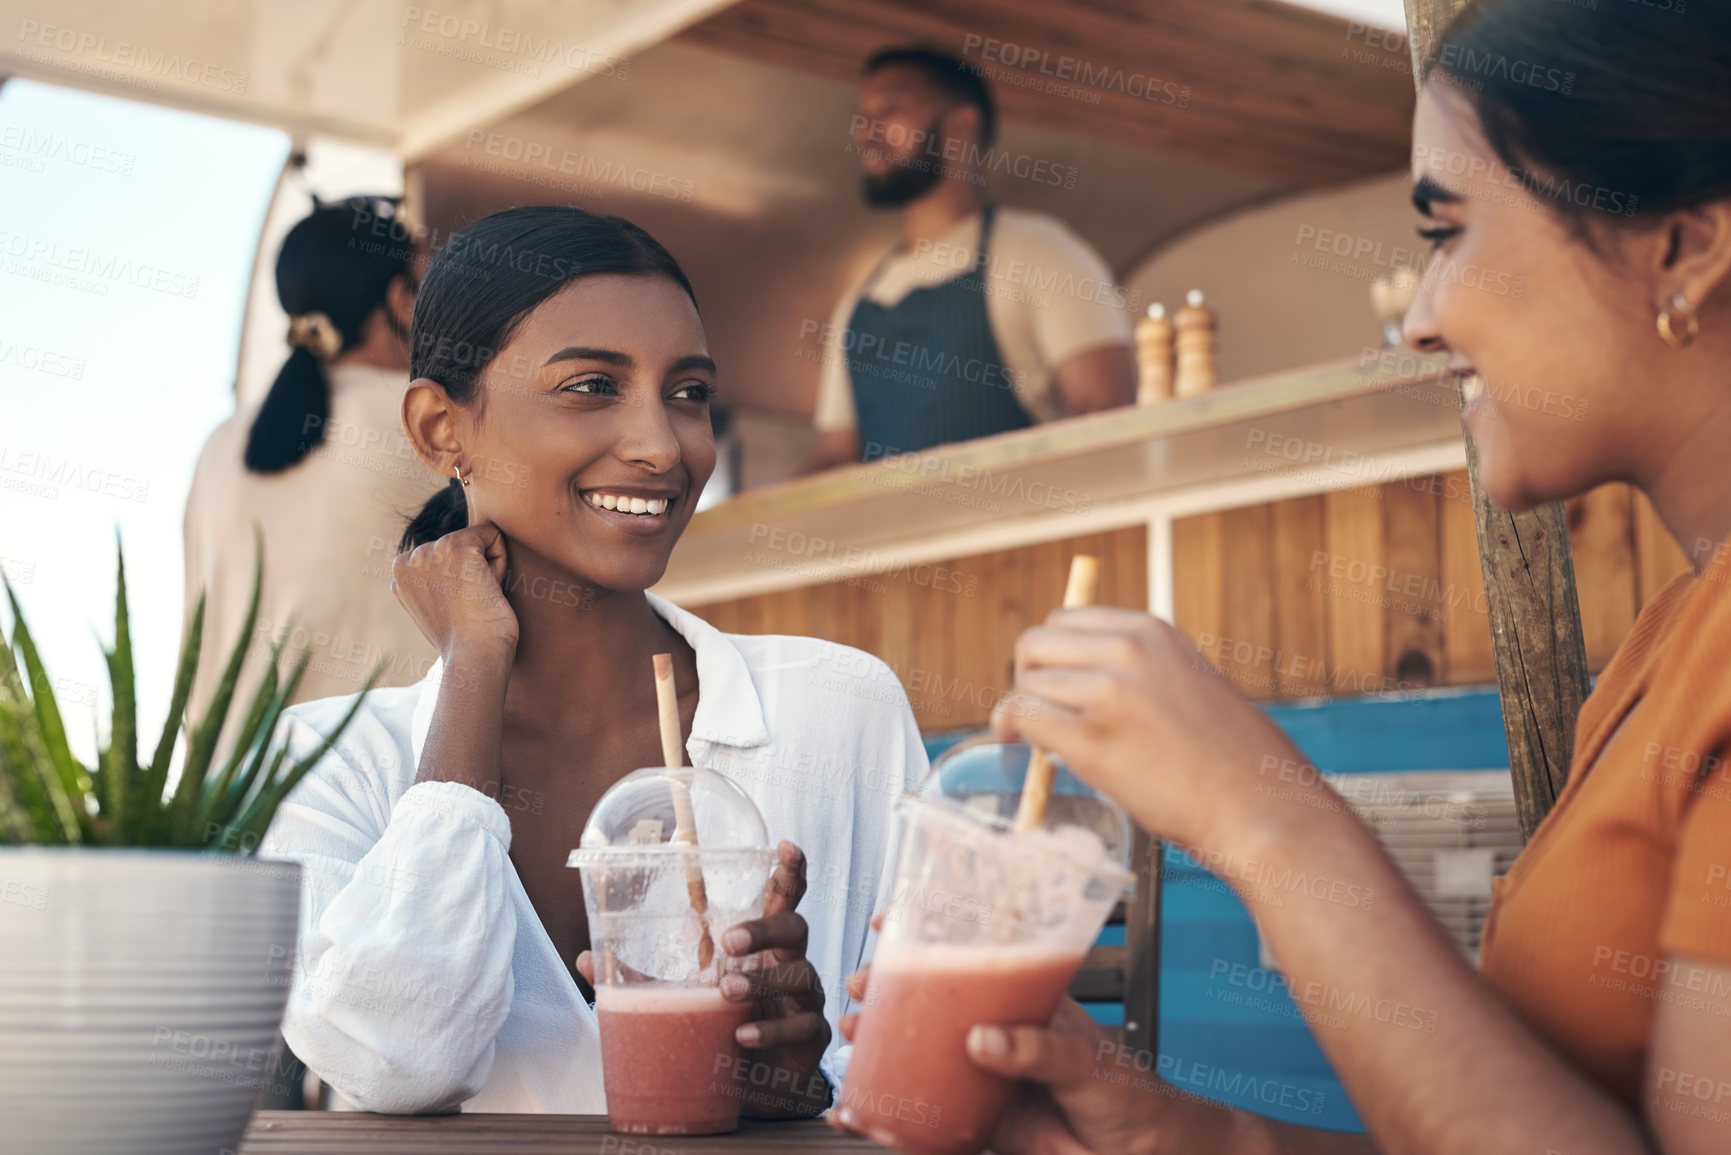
{"x": 1312, "y": 531}
{"x": 1332, "y": 427}
{"x": 934, "y": 562}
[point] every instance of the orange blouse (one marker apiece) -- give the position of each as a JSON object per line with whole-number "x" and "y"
{"x": 1625, "y": 889}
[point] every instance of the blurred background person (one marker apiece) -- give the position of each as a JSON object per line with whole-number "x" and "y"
{"x": 983, "y": 319}
{"x": 323, "y": 467}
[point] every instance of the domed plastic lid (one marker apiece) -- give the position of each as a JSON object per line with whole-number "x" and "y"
{"x": 982, "y": 778}
{"x": 638, "y": 813}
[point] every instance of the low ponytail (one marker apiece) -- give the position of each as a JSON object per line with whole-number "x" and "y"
{"x": 291, "y": 422}
{"x": 330, "y": 282}
{"x": 446, "y": 511}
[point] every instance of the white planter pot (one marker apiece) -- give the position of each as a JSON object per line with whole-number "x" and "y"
{"x": 141, "y": 993}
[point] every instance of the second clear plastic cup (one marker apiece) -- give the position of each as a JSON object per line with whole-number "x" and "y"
{"x": 983, "y": 926}
{"x": 669, "y": 1059}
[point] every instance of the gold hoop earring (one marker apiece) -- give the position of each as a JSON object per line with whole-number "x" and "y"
{"x": 1667, "y": 325}
{"x": 465, "y": 480}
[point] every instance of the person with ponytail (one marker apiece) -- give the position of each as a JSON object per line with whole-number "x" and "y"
{"x": 323, "y": 468}
{"x": 1582, "y": 151}
{"x": 562, "y": 383}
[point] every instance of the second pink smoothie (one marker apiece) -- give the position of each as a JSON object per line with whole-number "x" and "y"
{"x": 910, "y": 1084}
{"x": 667, "y": 1057}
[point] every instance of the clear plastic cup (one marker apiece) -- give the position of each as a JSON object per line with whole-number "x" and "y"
{"x": 983, "y": 926}
{"x": 669, "y": 1059}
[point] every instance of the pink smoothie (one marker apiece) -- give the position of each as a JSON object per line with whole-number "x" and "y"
{"x": 910, "y": 1084}
{"x": 667, "y": 1058}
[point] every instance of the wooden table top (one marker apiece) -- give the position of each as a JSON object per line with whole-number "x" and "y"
{"x": 353, "y": 1133}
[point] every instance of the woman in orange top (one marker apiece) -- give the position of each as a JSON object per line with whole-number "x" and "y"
{"x": 1585, "y": 152}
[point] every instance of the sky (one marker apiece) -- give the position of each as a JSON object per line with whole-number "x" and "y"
{"x": 127, "y": 235}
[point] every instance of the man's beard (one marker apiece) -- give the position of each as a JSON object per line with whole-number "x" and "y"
{"x": 906, "y": 180}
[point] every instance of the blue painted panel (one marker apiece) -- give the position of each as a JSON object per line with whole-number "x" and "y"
{"x": 1106, "y": 1014}
{"x": 937, "y": 743}
{"x": 1436, "y": 730}
{"x": 1221, "y": 1013}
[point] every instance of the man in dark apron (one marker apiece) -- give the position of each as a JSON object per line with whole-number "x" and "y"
{"x": 926, "y": 370}
{"x": 916, "y": 363}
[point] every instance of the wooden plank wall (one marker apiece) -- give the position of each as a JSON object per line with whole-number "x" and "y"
{"x": 948, "y": 630}
{"x": 1359, "y": 591}
{"x": 1379, "y": 589}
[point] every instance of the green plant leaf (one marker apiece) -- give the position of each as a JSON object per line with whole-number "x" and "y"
{"x": 68, "y": 782}
{"x": 253, "y": 731}
{"x": 228, "y": 835}
{"x": 21, "y": 748}
{"x": 10, "y": 679}
{"x": 48, "y": 797}
{"x": 15, "y": 761}
{"x": 257, "y": 818}
{"x": 183, "y": 810}
{"x": 29, "y": 810}
{"x": 16, "y": 825}
{"x": 101, "y": 830}
{"x": 148, "y": 827}
{"x": 120, "y": 761}
{"x": 232, "y": 806}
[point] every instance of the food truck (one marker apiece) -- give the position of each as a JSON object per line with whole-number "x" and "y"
{"x": 1306, "y": 514}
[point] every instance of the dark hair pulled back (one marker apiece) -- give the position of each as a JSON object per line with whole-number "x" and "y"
{"x": 482, "y": 284}
{"x": 330, "y": 263}
{"x": 1615, "y": 111}
{"x": 959, "y": 81}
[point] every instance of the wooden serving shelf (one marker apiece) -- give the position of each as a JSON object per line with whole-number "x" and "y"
{"x": 1074, "y": 473}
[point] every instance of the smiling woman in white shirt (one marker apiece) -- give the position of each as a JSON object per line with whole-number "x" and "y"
{"x": 561, "y": 379}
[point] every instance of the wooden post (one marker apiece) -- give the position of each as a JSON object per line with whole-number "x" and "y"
{"x": 1529, "y": 572}
{"x": 1142, "y": 937}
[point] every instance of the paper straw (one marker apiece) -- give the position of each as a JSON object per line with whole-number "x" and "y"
{"x": 1037, "y": 784}
{"x": 685, "y": 824}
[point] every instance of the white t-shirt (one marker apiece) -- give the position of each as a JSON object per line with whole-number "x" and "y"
{"x": 424, "y": 979}
{"x": 331, "y": 524}
{"x": 1048, "y": 297}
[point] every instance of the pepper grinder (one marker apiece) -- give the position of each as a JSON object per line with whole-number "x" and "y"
{"x": 1154, "y": 357}
{"x": 1196, "y": 326}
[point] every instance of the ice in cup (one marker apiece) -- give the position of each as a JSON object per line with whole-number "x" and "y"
{"x": 668, "y": 1053}
{"x": 983, "y": 926}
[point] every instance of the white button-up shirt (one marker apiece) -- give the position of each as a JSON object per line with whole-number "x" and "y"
{"x": 425, "y": 980}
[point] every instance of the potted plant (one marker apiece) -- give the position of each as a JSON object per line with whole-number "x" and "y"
{"x": 145, "y": 956}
